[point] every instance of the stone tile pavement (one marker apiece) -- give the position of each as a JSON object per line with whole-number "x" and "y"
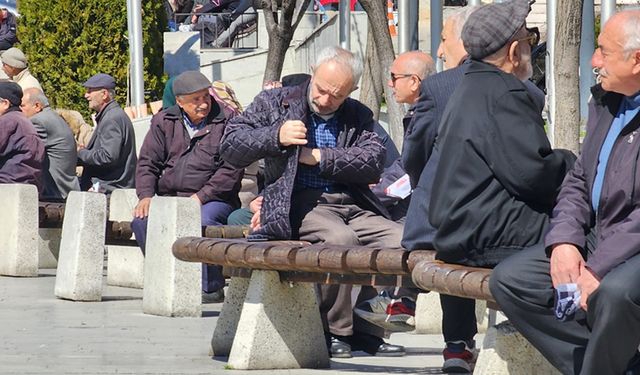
{"x": 40, "y": 334}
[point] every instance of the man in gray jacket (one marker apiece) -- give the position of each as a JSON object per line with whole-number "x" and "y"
{"x": 109, "y": 160}
{"x": 59, "y": 169}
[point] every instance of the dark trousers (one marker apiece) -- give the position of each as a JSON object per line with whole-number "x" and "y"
{"x": 600, "y": 341}
{"x": 212, "y": 213}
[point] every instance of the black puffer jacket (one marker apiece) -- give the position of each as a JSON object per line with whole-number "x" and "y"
{"x": 356, "y": 161}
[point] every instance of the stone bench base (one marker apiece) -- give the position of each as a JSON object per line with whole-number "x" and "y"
{"x": 279, "y": 325}
{"x": 125, "y": 266}
{"x": 48, "y": 247}
{"x": 18, "y": 230}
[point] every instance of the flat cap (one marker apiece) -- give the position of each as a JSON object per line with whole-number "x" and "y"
{"x": 489, "y": 28}
{"x": 14, "y": 57}
{"x": 11, "y": 91}
{"x": 100, "y": 81}
{"x": 189, "y": 82}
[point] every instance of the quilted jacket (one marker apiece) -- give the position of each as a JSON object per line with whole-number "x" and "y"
{"x": 356, "y": 161}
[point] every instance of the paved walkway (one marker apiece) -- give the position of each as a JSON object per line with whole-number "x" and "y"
{"x": 40, "y": 334}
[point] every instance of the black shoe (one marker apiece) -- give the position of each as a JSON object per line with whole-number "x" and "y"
{"x": 338, "y": 348}
{"x": 213, "y": 297}
{"x": 375, "y": 345}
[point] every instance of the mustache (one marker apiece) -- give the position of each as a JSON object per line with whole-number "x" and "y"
{"x": 600, "y": 73}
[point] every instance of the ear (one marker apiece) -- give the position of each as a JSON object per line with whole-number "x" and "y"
{"x": 514, "y": 54}
{"x": 635, "y": 56}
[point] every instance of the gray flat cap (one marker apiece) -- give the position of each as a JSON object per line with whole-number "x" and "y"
{"x": 490, "y": 27}
{"x": 189, "y": 82}
{"x": 100, "y": 81}
{"x": 14, "y": 57}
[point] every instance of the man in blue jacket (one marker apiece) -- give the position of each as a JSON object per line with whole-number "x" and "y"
{"x": 592, "y": 253}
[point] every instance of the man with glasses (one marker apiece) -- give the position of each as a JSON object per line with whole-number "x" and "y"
{"x": 109, "y": 160}
{"x": 497, "y": 176}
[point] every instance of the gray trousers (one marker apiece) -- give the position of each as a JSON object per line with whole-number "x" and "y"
{"x": 335, "y": 219}
{"x": 600, "y": 341}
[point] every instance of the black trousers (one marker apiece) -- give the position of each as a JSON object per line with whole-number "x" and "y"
{"x": 600, "y": 341}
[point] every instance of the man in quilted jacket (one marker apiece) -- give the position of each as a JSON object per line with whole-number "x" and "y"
{"x": 320, "y": 155}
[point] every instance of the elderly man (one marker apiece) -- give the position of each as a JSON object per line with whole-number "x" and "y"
{"x": 497, "y": 175}
{"x": 59, "y": 172}
{"x": 8, "y": 27}
{"x": 109, "y": 160}
{"x": 320, "y": 155}
{"x": 180, "y": 157}
{"x": 593, "y": 243}
{"x": 21, "y": 150}
{"x": 14, "y": 64}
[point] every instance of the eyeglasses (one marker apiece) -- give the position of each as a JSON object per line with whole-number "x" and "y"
{"x": 533, "y": 37}
{"x": 394, "y": 77}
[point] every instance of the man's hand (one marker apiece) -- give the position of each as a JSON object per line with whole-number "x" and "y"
{"x": 566, "y": 264}
{"x": 142, "y": 208}
{"x": 587, "y": 284}
{"x": 293, "y": 132}
{"x": 309, "y": 156}
{"x": 80, "y": 146}
{"x": 256, "y": 204}
{"x": 255, "y": 221}
{"x": 195, "y": 196}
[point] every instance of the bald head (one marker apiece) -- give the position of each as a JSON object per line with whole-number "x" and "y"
{"x": 406, "y": 73}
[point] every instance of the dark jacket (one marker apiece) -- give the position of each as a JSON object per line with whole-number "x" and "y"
{"x": 618, "y": 218}
{"x": 21, "y": 150}
{"x": 497, "y": 177}
{"x": 8, "y": 35}
{"x": 355, "y": 162}
{"x": 59, "y": 171}
{"x": 172, "y": 163}
{"x": 110, "y": 156}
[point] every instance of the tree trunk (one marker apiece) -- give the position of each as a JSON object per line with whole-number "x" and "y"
{"x": 280, "y": 31}
{"x": 377, "y": 14}
{"x": 371, "y": 90}
{"x": 566, "y": 65}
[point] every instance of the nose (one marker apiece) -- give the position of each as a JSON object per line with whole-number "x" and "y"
{"x": 440, "y": 51}
{"x": 390, "y": 82}
{"x": 596, "y": 59}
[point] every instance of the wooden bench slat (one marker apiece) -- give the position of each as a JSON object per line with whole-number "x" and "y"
{"x": 452, "y": 279}
{"x": 333, "y": 258}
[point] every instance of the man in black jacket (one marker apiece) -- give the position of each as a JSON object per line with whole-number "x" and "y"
{"x": 8, "y": 27}
{"x": 497, "y": 176}
{"x": 320, "y": 155}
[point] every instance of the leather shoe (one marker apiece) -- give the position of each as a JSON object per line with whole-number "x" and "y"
{"x": 339, "y": 348}
{"x": 375, "y": 345}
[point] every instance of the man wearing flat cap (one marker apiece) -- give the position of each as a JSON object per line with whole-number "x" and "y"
{"x": 180, "y": 157}
{"x": 21, "y": 150}
{"x": 14, "y": 64}
{"x": 109, "y": 159}
{"x": 497, "y": 177}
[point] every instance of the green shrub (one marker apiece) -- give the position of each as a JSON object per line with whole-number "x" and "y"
{"x": 67, "y": 41}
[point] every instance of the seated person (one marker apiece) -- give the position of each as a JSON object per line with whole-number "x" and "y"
{"x": 21, "y": 150}
{"x": 213, "y": 25}
{"x": 8, "y": 28}
{"x": 179, "y": 157}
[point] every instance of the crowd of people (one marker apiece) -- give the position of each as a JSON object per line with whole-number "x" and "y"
{"x": 477, "y": 180}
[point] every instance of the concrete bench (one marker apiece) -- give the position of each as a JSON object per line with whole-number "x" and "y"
{"x": 272, "y": 320}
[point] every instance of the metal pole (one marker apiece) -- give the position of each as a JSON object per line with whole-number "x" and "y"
{"x": 436, "y": 29}
{"x": 345, "y": 24}
{"x": 474, "y": 2}
{"x": 586, "y": 51}
{"x": 414, "y": 21}
{"x": 608, "y": 8}
{"x": 550, "y": 82}
{"x": 404, "y": 26}
{"x": 135, "y": 53}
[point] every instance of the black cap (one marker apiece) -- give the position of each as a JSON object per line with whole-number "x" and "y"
{"x": 100, "y": 81}
{"x": 11, "y": 91}
{"x": 189, "y": 82}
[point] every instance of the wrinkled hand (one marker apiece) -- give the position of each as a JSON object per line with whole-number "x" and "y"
{"x": 566, "y": 264}
{"x": 195, "y": 197}
{"x": 293, "y": 132}
{"x": 255, "y": 221}
{"x": 142, "y": 208}
{"x": 80, "y": 146}
{"x": 256, "y": 204}
{"x": 587, "y": 284}
{"x": 309, "y": 156}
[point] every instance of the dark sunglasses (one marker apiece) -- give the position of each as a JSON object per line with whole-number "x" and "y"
{"x": 394, "y": 77}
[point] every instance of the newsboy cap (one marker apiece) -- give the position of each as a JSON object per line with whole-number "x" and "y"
{"x": 100, "y": 81}
{"x": 12, "y": 92}
{"x": 489, "y": 28}
{"x": 14, "y": 57}
{"x": 189, "y": 82}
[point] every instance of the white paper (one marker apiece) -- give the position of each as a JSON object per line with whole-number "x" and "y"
{"x": 400, "y": 189}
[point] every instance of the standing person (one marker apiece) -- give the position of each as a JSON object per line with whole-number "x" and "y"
{"x": 109, "y": 159}
{"x": 14, "y": 64}
{"x": 59, "y": 170}
{"x": 180, "y": 157}
{"x": 497, "y": 175}
{"x": 592, "y": 247}
{"x": 320, "y": 155}
{"x": 21, "y": 150}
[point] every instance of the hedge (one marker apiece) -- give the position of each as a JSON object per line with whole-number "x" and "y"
{"x": 67, "y": 41}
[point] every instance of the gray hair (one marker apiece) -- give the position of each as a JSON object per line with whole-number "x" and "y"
{"x": 37, "y": 96}
{"x": 112, "y": 93}
{"x": 460, "y": 17}
{"x": 631, "y": 31}
{"x": 342, "y": 57}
